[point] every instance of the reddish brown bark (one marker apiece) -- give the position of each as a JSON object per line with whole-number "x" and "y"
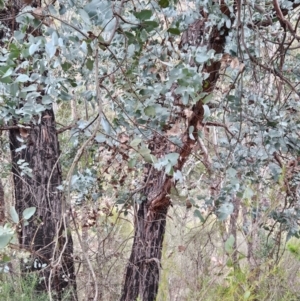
{"x": 142, "y": 274}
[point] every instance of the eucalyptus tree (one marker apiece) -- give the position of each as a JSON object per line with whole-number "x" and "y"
{"x": 150, "y": 72}
{"x": 26, "y": 111}
{"x": 186, "y": 93}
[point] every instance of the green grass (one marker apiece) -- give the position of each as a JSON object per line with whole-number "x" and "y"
{"x": 16, "y": 288}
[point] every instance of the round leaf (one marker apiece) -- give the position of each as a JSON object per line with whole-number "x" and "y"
{"x": 163, "y": 3}
{"x": 4, "y": 240}
{"x": 174, "y": 31}
{"x": 29, "y": 212}
{"x": 14, "y": 215}
{"x": 144, "y": 14}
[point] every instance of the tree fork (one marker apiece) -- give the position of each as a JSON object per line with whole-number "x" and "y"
{"x": 142, "y": 273}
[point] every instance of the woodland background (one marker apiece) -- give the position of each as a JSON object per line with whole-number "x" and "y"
{"x": 149, "y": 150}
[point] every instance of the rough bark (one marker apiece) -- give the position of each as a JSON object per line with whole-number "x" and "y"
{"x": 45, "y": 237}
{"x": 2, "y": 204}
{"x": 142, "y": 273}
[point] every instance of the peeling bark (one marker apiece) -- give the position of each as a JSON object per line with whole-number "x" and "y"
{"x": 142, "y": 273}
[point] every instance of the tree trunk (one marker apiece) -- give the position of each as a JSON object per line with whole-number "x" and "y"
{"x": 36, "y": 175}
{"x": 2, "y": 204}
{"x": 46, "y": 236}
{"x": 142, "y": 274}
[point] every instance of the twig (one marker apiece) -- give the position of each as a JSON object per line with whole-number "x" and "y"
{"x": 78, "y": 156}
{"x": 284, "y": 22}
{"x": 65, "y": 128}
{"x": 211, "y": 123}
{"x": 206, "y": 157}
{"x": 9, "y": 127}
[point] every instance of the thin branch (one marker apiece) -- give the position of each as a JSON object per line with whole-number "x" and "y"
{"x": 68, "y": 24}
{"x": 211, "y": 123}
{"x": 269, "y": 69}
{"x": 78, "y": 156}
{"x": 284, "y": 22}
{"x": 9, "y": 127}
{"x": 125, "y": 21}
{"x": 65, "y": 128}
{"x": 115, "y": 27}
{"x": 206, "y": 157}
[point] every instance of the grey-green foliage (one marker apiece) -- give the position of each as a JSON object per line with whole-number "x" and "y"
{"x": 262, "y": 128}
{"x": 8, "y": 231}
{"x": 62, "y": 61}
{"x": 137, "y": 72}
{"x": 85, "y": 185}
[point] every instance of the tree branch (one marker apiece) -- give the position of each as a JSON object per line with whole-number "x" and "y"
{"x": 9, "y": 127}
{"x": 284, "y": 22}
